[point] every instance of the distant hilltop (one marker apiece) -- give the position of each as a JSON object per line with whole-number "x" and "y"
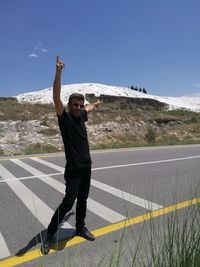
{"x": 191, "y": 102}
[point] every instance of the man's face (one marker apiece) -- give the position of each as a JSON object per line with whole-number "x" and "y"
{"x": 75, "y": 107}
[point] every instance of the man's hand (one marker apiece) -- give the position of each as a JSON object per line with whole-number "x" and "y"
{"x": 59, "y": 64}
{"x": 97, "y": 104}
{"x": 90, "y": 107}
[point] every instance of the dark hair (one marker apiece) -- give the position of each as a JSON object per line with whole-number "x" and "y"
{"x": 76, "y": 96}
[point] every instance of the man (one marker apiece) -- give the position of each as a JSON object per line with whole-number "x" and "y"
{"x": 78, "y": 167}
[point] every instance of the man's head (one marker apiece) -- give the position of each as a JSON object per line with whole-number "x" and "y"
{"x": 76, "y": 104}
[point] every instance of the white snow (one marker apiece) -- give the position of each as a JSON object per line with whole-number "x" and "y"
{"x": 191, "y": 102}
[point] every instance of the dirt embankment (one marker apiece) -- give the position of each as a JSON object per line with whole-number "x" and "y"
{"x": 119, "y": 122}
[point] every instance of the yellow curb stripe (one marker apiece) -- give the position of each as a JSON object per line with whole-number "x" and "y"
{"x": 34, "y": 254}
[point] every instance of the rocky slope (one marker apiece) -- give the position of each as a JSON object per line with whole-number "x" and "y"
{"x": 32, "y": 128}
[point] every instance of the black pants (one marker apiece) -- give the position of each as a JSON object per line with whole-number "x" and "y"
{"x": 77, "y": 186}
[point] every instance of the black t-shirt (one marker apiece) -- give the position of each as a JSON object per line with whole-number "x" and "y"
{"x": 75, "y": 140}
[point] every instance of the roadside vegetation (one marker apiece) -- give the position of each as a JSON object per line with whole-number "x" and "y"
{"x": 10, "y": 109}
{"x": 38, "y": 148}
{"x": 152, "y": 128}
{"x": 118, "y": 123}
{"x": 170, "y": 241}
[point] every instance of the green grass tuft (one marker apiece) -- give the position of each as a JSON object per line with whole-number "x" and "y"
{"x": 39, "y": 148}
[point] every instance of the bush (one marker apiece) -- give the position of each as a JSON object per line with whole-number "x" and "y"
{"x": 150, "y": 136}
{"x": 172, "y": 139}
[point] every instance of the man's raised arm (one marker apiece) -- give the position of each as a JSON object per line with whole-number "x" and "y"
{"x": 57, "y": 86}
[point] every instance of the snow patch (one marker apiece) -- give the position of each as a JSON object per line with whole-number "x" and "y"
{"x": 45, "y": 96}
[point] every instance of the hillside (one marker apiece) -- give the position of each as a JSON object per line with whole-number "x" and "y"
{"x": 44, "y": 96}
{"x": 120, "y": 122}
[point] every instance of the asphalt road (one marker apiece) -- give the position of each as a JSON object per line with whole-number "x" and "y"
{"x": 126, "y": 183}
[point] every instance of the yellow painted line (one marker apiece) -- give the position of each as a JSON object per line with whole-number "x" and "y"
{"x": 35, "y": 254}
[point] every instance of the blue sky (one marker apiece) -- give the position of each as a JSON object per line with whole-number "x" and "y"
{"x": 146, "y": 43}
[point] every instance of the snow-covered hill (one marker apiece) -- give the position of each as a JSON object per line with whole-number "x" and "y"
{"x": 191, "y": 102}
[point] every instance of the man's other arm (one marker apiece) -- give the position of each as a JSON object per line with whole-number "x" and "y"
{"x": 90, "y": 107}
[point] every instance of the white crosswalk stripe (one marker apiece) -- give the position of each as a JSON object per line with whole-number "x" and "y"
{"x": 110, "y": 189}
{"x": 104, "y": 212}
{"x": 34, "y": 204}
{"x": 92, "y": 205}
{"x": 126, "y": 196}
{"x": 49, "y": 164}
{"x": 49, "y": 180}
{"x": 4, "y": 251}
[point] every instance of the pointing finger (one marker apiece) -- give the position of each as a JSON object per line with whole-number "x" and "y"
{"x": 57, "y": 58}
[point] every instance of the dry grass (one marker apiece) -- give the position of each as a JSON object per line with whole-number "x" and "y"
{"x": 39, "y": 148}
{"x": 12, "y": 110}
{"x": 169, "y": 127}
{"x": 49, "y": 132}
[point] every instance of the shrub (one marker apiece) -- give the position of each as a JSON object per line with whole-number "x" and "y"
{"x": 150, "y": 136}
{"x": 172, "y": 139}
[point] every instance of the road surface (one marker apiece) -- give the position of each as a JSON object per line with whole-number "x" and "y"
{"x": 126, "y": 183}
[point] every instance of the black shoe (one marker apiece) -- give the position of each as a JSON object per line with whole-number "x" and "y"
{"x": 85, "y": 233}
{"x": 46, "y": 244}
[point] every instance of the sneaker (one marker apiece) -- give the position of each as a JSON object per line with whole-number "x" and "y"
{"x": 46, "y": 244}
{"x": 85, "y": 233}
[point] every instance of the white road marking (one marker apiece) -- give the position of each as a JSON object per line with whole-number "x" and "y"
{"x": 126, "y": 196}
{"x": 35, "y": 205}
{"x": 144, "y": 163}
{"x": 32, "y": 177}
{"x": 102, "y": 168}
{"x": 49, "y": 180}
{"x": 4, "y": 251}
{"x": 49, "y": 164}
{"x": 92, "y": 205}
{"x": 61, "y": 169}
{"x": 112, "y": 190}
{"x": 104, "y": 212}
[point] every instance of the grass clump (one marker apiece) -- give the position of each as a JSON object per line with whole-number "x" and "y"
{"x": 169, "y": 241}
{"x": 117, "y": 144}
{"x": 180, "y": 245}
{"x": 181, "y": 112}
{"x": 39, "y": 148}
